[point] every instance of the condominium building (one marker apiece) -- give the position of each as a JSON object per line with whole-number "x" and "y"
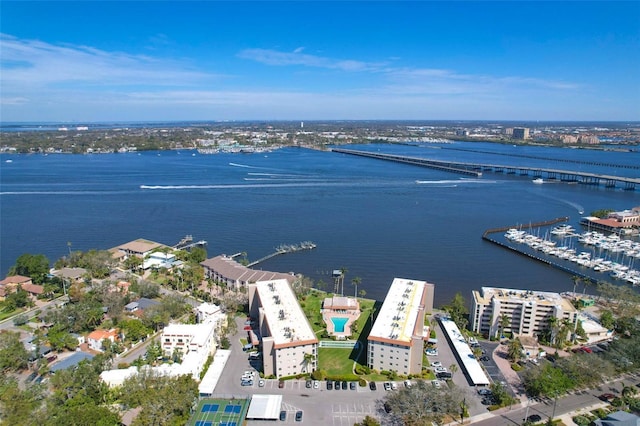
{"x": 224, "y": 269}
{"x": 397, "y": 337}
{"x": 289, "y": 345}
{"x": 194, "y": 342}
{"x": 520, "y": 133}
{"x": 528, "y": 312}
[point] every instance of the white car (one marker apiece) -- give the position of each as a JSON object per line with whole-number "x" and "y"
{"x": 387, "y": 386}
{"x": 261, "y": 383}
{"x": 431, "y": 352}
{"x": 436, "y": 384}
{"x": 407, "y": 384}
{"x": 316, "y": 384}
{"x": 394, "y": 386}
{"x": 436, "y": 364}
{"x": 440, "y": 370}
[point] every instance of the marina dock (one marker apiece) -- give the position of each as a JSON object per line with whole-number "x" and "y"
{"x": 283, "y": 249}
{"x": 617, "y": 260}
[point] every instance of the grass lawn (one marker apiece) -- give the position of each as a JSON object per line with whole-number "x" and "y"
{"x": 4, "y": 315}
{"x": 336, "y": 361}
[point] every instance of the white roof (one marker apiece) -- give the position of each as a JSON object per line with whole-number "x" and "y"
{"x": 209, "y": 308}
{"x": 210, "y": 379}
{"x": 287, "y": 323}
{"x": 469, "y": 361}
{"x": 199, "y": 332}
{"x": 399, "y": 312}
{"x": 264, "y": 407}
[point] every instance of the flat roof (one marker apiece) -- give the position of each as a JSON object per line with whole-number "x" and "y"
{"x": 469, "y": 362}
{"x": 70, "y": 361}
{"x": 287, "y": 323}
{"x": 210, "y": 379}
{"x": 547, "y": 298}
{"x": 199, "y": 332}
{"x": 264, "y": 407}
{"x": 397, "y": 318}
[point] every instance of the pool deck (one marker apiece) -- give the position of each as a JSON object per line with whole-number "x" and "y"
{"x": 333, "y": 308}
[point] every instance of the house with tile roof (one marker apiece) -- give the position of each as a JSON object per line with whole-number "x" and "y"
{"x": 95, "y": 338}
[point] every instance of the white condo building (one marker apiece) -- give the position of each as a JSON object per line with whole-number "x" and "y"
{"x": 285, "y": 333}
{"x": 528, "y": 311}
{"x": 195, "y": 342}
{"x": 397, "y": 337}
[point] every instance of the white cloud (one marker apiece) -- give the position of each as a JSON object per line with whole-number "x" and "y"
{"x": 34, "y": 64}
{"x": 274, "y": 57}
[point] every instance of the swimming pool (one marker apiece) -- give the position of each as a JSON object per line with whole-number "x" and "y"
{"x": 338, "y": 324}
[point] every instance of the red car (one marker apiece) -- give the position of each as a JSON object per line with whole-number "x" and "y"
{"x": 606, "y": 397}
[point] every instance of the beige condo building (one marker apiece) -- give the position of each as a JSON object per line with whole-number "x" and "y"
{"x": 397, "y": 337}
{"x": 289, "y": 345}
{"x": 528, "y": 311}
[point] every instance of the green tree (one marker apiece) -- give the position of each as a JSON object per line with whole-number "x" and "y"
{"x": 197, "y": 255}
{"x": 607, "y": 320}
{"x": 134, "y": 329}
{"x": 17, "y": 406}
{"x": 514, "y": 350}
{"x": 309, "y": 358}
{"x": 368, "y": 421}
{"x": 356, "y": 281}
{"x": 457, "y": 310}
{"x": 422, "y": 404}
{"x": 13, "y": 354}
{"x": 34, "y": 266}
{"x": 504, "y": 323}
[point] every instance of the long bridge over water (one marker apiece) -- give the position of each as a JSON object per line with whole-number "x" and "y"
{"x": 476, "y": 169}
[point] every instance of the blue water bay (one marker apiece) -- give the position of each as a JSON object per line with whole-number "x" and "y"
{"x": 378, "y": 219}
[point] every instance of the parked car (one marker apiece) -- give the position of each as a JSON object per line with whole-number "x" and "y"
{"x": 440, "y": 370}
{"x": 606, "y": 397}
{"x": 372, "y": 386}
{"x": 436, "y": 384}
{"x": 352, "y": 385}
{"x": 444, "y": 375}
{"x": 484, "y": 358}
{"x": 484, "y": 391}
{"x": 280, "y": 384}
{"x": 344, "y": 385}
{"x": 308, "y": 384}
{"x": 387, "y": 407}
{"x": 407, "y": 384}
{"x": 394, "y": 386}
{"x": 261, "y": 383}
{"x": 298, "y": 416}
{"x": 283, "y": 415}
{"x": 387, "y": 386}
{"x": 329, "y": 385}
{"x": 336, "y": 385}
{"x": 246, "y": 383}
{"x": 436, "y": 364}
{"x": 316, "y": 384}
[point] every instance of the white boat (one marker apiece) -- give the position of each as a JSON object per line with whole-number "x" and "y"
{"x": 538, "y": 181}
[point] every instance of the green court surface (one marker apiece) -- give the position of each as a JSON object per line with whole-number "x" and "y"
{"x": 220, "y": 412}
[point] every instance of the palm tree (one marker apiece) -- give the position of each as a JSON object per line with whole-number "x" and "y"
{"x": 356, "y": 281}
{"x": 343, "y": 272}
{"x": 553, "y": 326}
{"x": 576, "y": 279}
{"x": 504, "y": 323}
{"x": 453, "y": 368}
{"x": 308, "y": 358}
{"x": 514, "y": 350}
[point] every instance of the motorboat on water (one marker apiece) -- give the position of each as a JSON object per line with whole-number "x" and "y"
{"x": 538, "y": 181}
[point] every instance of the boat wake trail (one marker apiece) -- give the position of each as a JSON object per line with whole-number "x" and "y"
{"x": 578, "y": 207}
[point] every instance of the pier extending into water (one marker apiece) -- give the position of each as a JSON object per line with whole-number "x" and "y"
{"x": 283, "y": 249}
{"x": 476, "y": 169}
{"x": 187, "y": 243}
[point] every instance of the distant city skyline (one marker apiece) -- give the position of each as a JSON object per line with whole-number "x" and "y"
{"x": 139, "y": 61}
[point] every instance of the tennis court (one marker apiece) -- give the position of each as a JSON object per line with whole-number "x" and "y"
{"x": 220, "y": 412}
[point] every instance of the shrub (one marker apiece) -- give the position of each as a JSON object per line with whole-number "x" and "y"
{"x": 516, "y": 367}
{"x": 362, "y": 382}
{"x": 319, "y": 375}
{"x": 581, "y": 420}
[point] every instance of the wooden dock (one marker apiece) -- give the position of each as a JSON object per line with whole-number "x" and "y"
{"x": 284, "y": 249}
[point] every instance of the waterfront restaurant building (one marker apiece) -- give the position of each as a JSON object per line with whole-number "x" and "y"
{"x": 528, "y": 311}
{"x": 289, "y": 345}
{"x": 397, "y": 337}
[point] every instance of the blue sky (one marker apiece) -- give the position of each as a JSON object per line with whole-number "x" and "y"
{"x": 505, "y": 60}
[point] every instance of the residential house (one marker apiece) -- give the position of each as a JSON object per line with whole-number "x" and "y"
{"x": 95, "y": 338}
